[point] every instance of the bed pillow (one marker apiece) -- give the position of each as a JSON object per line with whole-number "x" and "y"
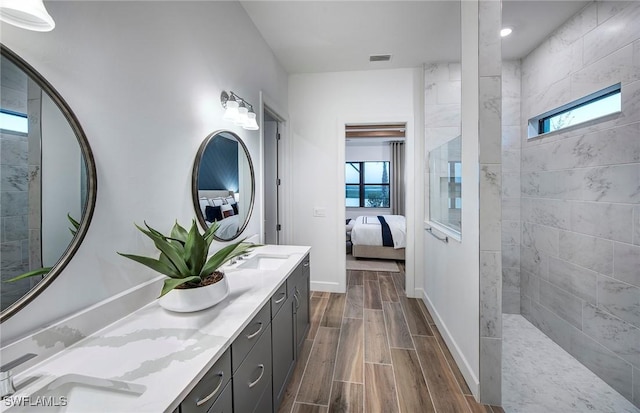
{"x": 213, "y": 213}
{"x": 227, "y": 210}
{"x": 216, "y": 201}
{"x": 204, "y": 202}
{"x": 235, "y": 208}
{"x": 229, "y": 200}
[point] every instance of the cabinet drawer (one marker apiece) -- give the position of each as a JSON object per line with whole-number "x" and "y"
{"x": 224, "y": 403}
{"x": 294, "y": 278}
{"x": 249, "y": 336}
{"x": 210, "y": 387}
{"x": 278, "y": 299}
{"x": 253, "y": 377}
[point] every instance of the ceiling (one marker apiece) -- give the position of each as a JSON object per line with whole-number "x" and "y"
{"x": 328, "y": 36}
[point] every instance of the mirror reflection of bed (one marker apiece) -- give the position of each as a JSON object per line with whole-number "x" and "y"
{"x": 222, "y": 207}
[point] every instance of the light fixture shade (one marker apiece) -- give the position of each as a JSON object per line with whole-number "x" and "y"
{"x": 242, "y": 115}
{"x": 251, "y": 123}
{"x": 26, "y": 14}
{"x": 232, "y": 110}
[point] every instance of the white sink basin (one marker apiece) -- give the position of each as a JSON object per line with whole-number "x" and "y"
{"x": 77, "y": 393}
{"x": 266, "y": 262}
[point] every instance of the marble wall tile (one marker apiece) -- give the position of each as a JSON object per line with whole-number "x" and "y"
{"x": 575, "y": 28}
{"x": 490, "y": 294}
{"x": 14, "y": 100}
{"x": 490, "y": 211}
{"x": 606, "y": 364}
{"x": 511, "y": 301}
{"x": 511, "y": 161}
{"x": 544, "y": 67}
{"x": 525, "y": 306}
{"x": 576, "y": 280}
{"x": 619, "y": 299}
{"x": 455, "y": 71}
{"x": 13, "y": 177}
{"x": 15, "y": 228}
{"x": 630, "y": 105}
{"x": 510, "y": 112}
{"x": 511, "y": 138}
{"x": 438, "y": 136}
{"x": 636, "y": 387}
{"x": 530, "y": 285}
{"x": 615, "y": 334}
{"x": 491, "y": 370}
{"x": 610, "y": 221}
{"x": 540, "y": 238}
{"x": 511, "y": 186}
{"x": 489, "y": 41}
{"x": 626, "y": 263}
{"x": 437, "y": 116}
{"x": 608, "y": 9}
{"x": 589, "y": 252}
{"x": 11, "y": 254}
{"x": 13, "y": 149}
{"x": 616, "y": 183}
{"x": 614, "y": 68}
{"x": 490, "y": 114}
{"x": 511, "y": 256}
{"x": 35, "y": 248}
{"x": 510, "y": 207}
{"x": 636, "y": 225}
{"x": 618, "y": 145}
{"x": 448, "y": 93}
{"x": 511, "y": 73}
{"x": 555, "y": 327}
{"x": 566, "y": 305}
{"x": 550, "y": 212}
{"x": 535, "y": 262}
{"x": 436, "y": 72}
{"x": 510, "y": 233}
{"x": 13, "y": 203}
{"x": 549, "y": 97}
{"x": 612, "y": 34}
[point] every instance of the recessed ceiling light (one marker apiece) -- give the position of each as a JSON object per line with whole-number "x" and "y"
{"x": 506, "y": 31}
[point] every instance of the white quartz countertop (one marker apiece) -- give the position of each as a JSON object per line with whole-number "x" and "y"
{"x": 166, "y": 352}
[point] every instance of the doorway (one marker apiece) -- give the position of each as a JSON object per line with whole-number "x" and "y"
{"x": 273, "y": 125}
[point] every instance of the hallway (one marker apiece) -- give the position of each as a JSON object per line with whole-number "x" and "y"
{"x": 375, "y": 350}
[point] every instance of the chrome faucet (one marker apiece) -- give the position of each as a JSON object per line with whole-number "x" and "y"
{"x": 6, "y": 376}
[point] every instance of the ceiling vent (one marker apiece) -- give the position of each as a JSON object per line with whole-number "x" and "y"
{"x": 380, "y": 58}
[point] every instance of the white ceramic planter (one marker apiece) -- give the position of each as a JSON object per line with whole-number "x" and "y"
{"x": 195, "y": 299}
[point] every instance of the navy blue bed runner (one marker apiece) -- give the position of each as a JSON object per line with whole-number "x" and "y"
{"x": 387, "y": 238}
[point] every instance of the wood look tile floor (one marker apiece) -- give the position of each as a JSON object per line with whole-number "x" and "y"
{"x": 375, "y": 350}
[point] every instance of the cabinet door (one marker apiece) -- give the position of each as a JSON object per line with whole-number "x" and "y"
{"x": 301, "y": 298}
{"x": 283, "y": 349}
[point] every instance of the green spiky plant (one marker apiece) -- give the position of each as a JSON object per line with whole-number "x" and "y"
{"x": 45, "y": 270}
{"x": 183, "y": 255}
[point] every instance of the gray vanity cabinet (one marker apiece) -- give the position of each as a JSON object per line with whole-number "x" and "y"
{"x": 253, "y": 377}
{"x": 301, "y": 292}
{"x": 210, "y": 387}
{"x": 283, "y": 348}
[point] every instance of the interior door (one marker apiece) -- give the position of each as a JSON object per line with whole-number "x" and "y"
{"x": 271, "y": 179}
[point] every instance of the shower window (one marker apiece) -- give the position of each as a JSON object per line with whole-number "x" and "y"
{"x": 445, "y": 185}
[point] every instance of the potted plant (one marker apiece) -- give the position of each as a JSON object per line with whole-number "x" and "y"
{"x": 194, "y": 281}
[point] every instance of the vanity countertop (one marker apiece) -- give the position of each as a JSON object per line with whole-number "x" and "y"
{"x": 166, "y": 352}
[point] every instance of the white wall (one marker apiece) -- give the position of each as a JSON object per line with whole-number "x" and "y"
{"x": 451, "y": 274}
{"x": 144, "y": 79}
{"x": 319, "y": 107}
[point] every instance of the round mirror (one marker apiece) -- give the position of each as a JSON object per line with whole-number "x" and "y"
{"x": 223, "y": 184}
{"x": 48, "y": 185}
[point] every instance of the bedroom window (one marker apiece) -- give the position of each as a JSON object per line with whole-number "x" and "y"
{"x": 596, "y": 105}
{"x": 367, "y": 184}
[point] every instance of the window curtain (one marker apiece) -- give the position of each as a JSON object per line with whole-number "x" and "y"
{"x": 397, "y": 177}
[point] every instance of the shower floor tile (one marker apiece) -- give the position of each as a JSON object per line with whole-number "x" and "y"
{"x": 538, "y": 376}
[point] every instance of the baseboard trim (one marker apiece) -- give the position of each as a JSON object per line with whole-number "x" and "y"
{"x": 461, "y": 361}
{"x": 329, "y": 287}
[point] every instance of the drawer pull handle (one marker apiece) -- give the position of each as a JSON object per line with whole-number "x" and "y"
{"x": 284, "y": 295}
{"x": 206, "y": 399}
{"x": 295, "y": 296}
{"x": 250, "y": 336}
{"x": 306, "y": 264}
{"x": 253, "y": 383}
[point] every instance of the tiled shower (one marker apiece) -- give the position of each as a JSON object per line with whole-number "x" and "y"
{"x": 571, "y": 199}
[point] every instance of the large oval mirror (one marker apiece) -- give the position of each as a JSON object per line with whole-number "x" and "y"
{"x": 48, "y": 185}
{"x": 223, "y": 184}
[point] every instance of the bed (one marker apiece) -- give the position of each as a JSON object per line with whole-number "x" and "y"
{"x": 371, "y": 238}
{"x": 220, "y": 206}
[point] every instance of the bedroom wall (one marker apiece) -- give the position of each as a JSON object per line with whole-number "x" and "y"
{"x": 144, "y": 79}
{"x": 356, "y": 151}
{"x": 317, "y": 120}
{"x": 580, "y": 211}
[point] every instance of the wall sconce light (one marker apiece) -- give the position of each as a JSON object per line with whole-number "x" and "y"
{"x": 26, "y": 14}
{"x": 238, "y": 111}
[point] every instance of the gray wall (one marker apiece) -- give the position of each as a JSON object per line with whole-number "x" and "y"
{"x": 580, "y": 255}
